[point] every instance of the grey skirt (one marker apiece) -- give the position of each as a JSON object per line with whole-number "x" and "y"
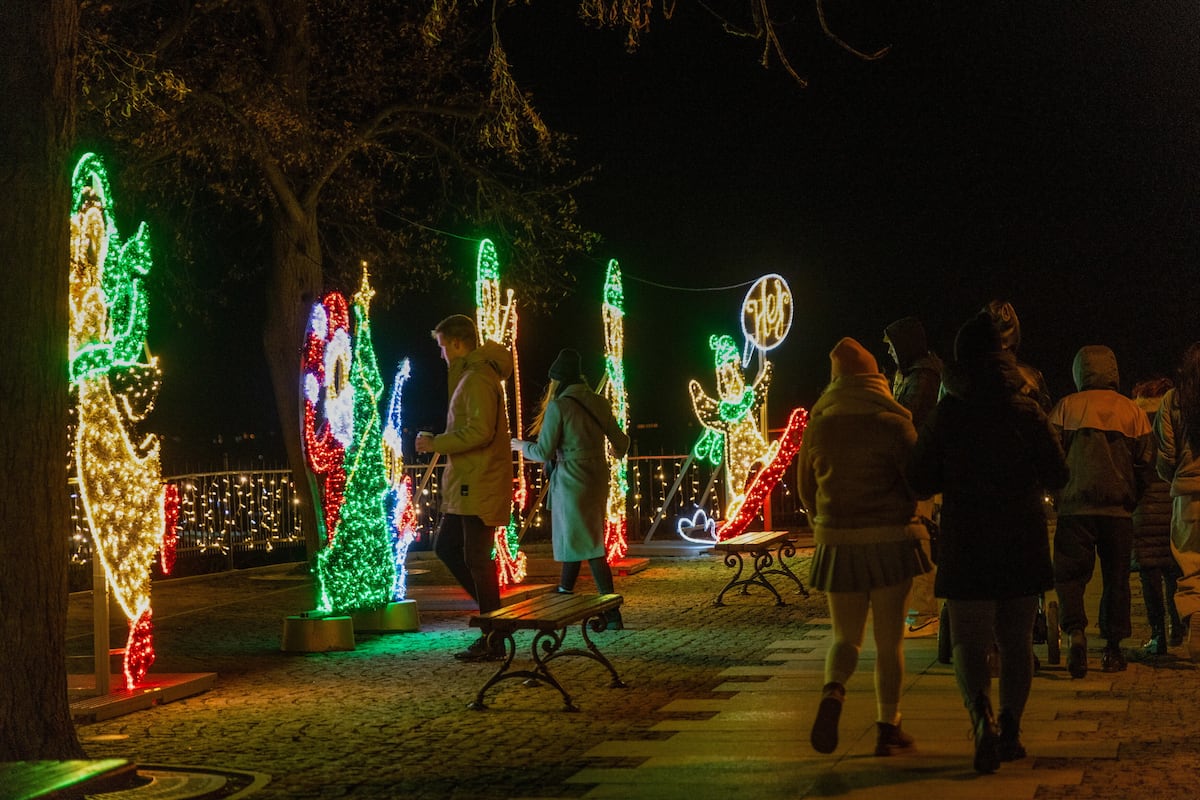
{"x": 862, "y": 567}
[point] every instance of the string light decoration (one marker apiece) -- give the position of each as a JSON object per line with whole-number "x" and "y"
{"x": 752, "y": 467}
{"x": 114, "y": 381}
{"x": 779, "y": 456}
{"x": 496, "y": 321}
{"x": 732, "y": 416}
{"x": 616, "y": 544}
{"x": 356, "y": 571}
{"x": 401, "y": 512}
{"x": 328, "y": 403}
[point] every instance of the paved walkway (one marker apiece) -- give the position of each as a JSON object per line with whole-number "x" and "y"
{"x": 719, "y": 705}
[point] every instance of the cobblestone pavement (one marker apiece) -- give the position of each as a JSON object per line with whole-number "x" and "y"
{"x": 389, "y": 719}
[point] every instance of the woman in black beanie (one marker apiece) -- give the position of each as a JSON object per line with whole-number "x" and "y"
{"x": 990, "y": 451}
{"x": 571, "y": 430}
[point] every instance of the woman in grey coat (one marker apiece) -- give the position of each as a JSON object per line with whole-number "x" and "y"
{"x": 571, "y": 429}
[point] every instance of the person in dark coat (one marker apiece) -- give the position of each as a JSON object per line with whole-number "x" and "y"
{"x": 988, "y": 449}
{"x": 1152, "y": 540}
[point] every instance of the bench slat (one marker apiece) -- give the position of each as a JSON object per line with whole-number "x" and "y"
{"x": 63, "y": 779}
{"x": 546, "y": 612}
{"x": 751, "y": 539}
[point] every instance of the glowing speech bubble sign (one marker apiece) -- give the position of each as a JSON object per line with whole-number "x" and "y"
{"x": 766, "y": 314}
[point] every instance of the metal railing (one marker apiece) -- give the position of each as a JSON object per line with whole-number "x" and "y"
{"x": 234, "y": 519}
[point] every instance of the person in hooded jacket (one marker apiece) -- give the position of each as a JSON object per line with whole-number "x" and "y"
{"x": 571, "y": 428}
{"x": 988, "y": 449}
{"x": 1177, "y": 434}
{"x": 477, "y": 482}
{"x": 1152, "y": 556}
{"x": 916, "y": 385}
{"x": 918, "y": 374}
{"x": 869, "y": 545}
{"x": 1008, "y": 326}
{"x": 1107, "y": 440}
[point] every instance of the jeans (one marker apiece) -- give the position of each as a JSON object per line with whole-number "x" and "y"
{"x": 464, "y": 544}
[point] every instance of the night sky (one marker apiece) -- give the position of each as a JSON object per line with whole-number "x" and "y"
{"x": 1047, "y": 158}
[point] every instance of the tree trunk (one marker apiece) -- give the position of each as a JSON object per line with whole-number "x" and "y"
{"x": 37, "y": 82}
{"x": 294, "y": 286}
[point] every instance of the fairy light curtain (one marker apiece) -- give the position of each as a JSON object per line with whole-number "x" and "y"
{"x": 114, "y": 383}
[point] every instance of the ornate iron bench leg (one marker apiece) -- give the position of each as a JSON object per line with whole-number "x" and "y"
{"x": 596, "y": 623}
{"x": 788, "y": 549}
{"x": 732, "y": 559}
{"x": 762, "y": 563}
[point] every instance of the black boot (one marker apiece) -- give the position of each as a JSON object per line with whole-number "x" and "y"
{"x": 1010, "y": 746}
{"x": 891, "y": 739}
{"x": 987, "y": 737}
{"x": 613, "y": 618}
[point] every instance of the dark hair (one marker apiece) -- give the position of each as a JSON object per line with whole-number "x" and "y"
{"x": 1187, "y": 390}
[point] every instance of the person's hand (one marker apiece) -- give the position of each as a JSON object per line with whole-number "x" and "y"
{"x": 516, "y": 444}
{"x": 424, "y": 442}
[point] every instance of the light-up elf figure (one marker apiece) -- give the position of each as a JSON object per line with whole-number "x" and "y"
{"x": 615, "y": 541}
{"x": 753, "y": 466}
{"x": 496, "y": 321}
{"x": 343, "y": 439}
{"x": 115, "y": 381}
{"x": 732, "y": 436}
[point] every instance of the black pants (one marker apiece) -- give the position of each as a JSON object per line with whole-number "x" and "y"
{"x": 464, "y": 544}
{"x": 601, "y": 574}
{"x": 1078, "y": 541}
{"x": 1160, "y": 605}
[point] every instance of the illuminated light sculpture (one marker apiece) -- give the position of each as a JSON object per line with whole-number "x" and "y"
{"x": 328, "y": 402}
{"x": 401, "y": 510}
{"x": 616, "y": 544}
{"x": 732, "y": 436}
{"x": 779, "y": 456}
{"x": 115, "y": 381}
{"x": 356, "y": 570}
{"x": 496, "y": 321}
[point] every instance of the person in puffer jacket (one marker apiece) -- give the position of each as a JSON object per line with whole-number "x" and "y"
{"x": 1107, "y": 440}
{"x": 1177, "y": 434}
{"x": 1152, "y": 540}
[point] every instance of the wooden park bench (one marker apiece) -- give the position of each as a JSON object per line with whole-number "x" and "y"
{"x": 59, "y": 780}
{"x": 759, "y": 545}
{"x": 549, "y": 616}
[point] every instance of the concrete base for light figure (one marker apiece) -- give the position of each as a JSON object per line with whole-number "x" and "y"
{"x": 400, "y": 616}
{"x": 317, "y": 634}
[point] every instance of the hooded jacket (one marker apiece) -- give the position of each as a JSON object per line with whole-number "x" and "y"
{"x": 478, "y": 476}
{"x": 851, "y": 464}
{"x": 1107, "y": 439}
{"x": 918, "y": 370}
{"x": 988, "y": 449}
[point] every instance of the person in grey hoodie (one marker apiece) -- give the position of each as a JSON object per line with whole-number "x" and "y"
{"x": 1107, "y": 440}
{"x": 477, "y": 482}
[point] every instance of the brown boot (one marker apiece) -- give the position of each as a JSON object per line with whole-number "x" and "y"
{"x": 890, "y": 739}
{"x": 987, "y": 737}
{"x": 825, "y": 726}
